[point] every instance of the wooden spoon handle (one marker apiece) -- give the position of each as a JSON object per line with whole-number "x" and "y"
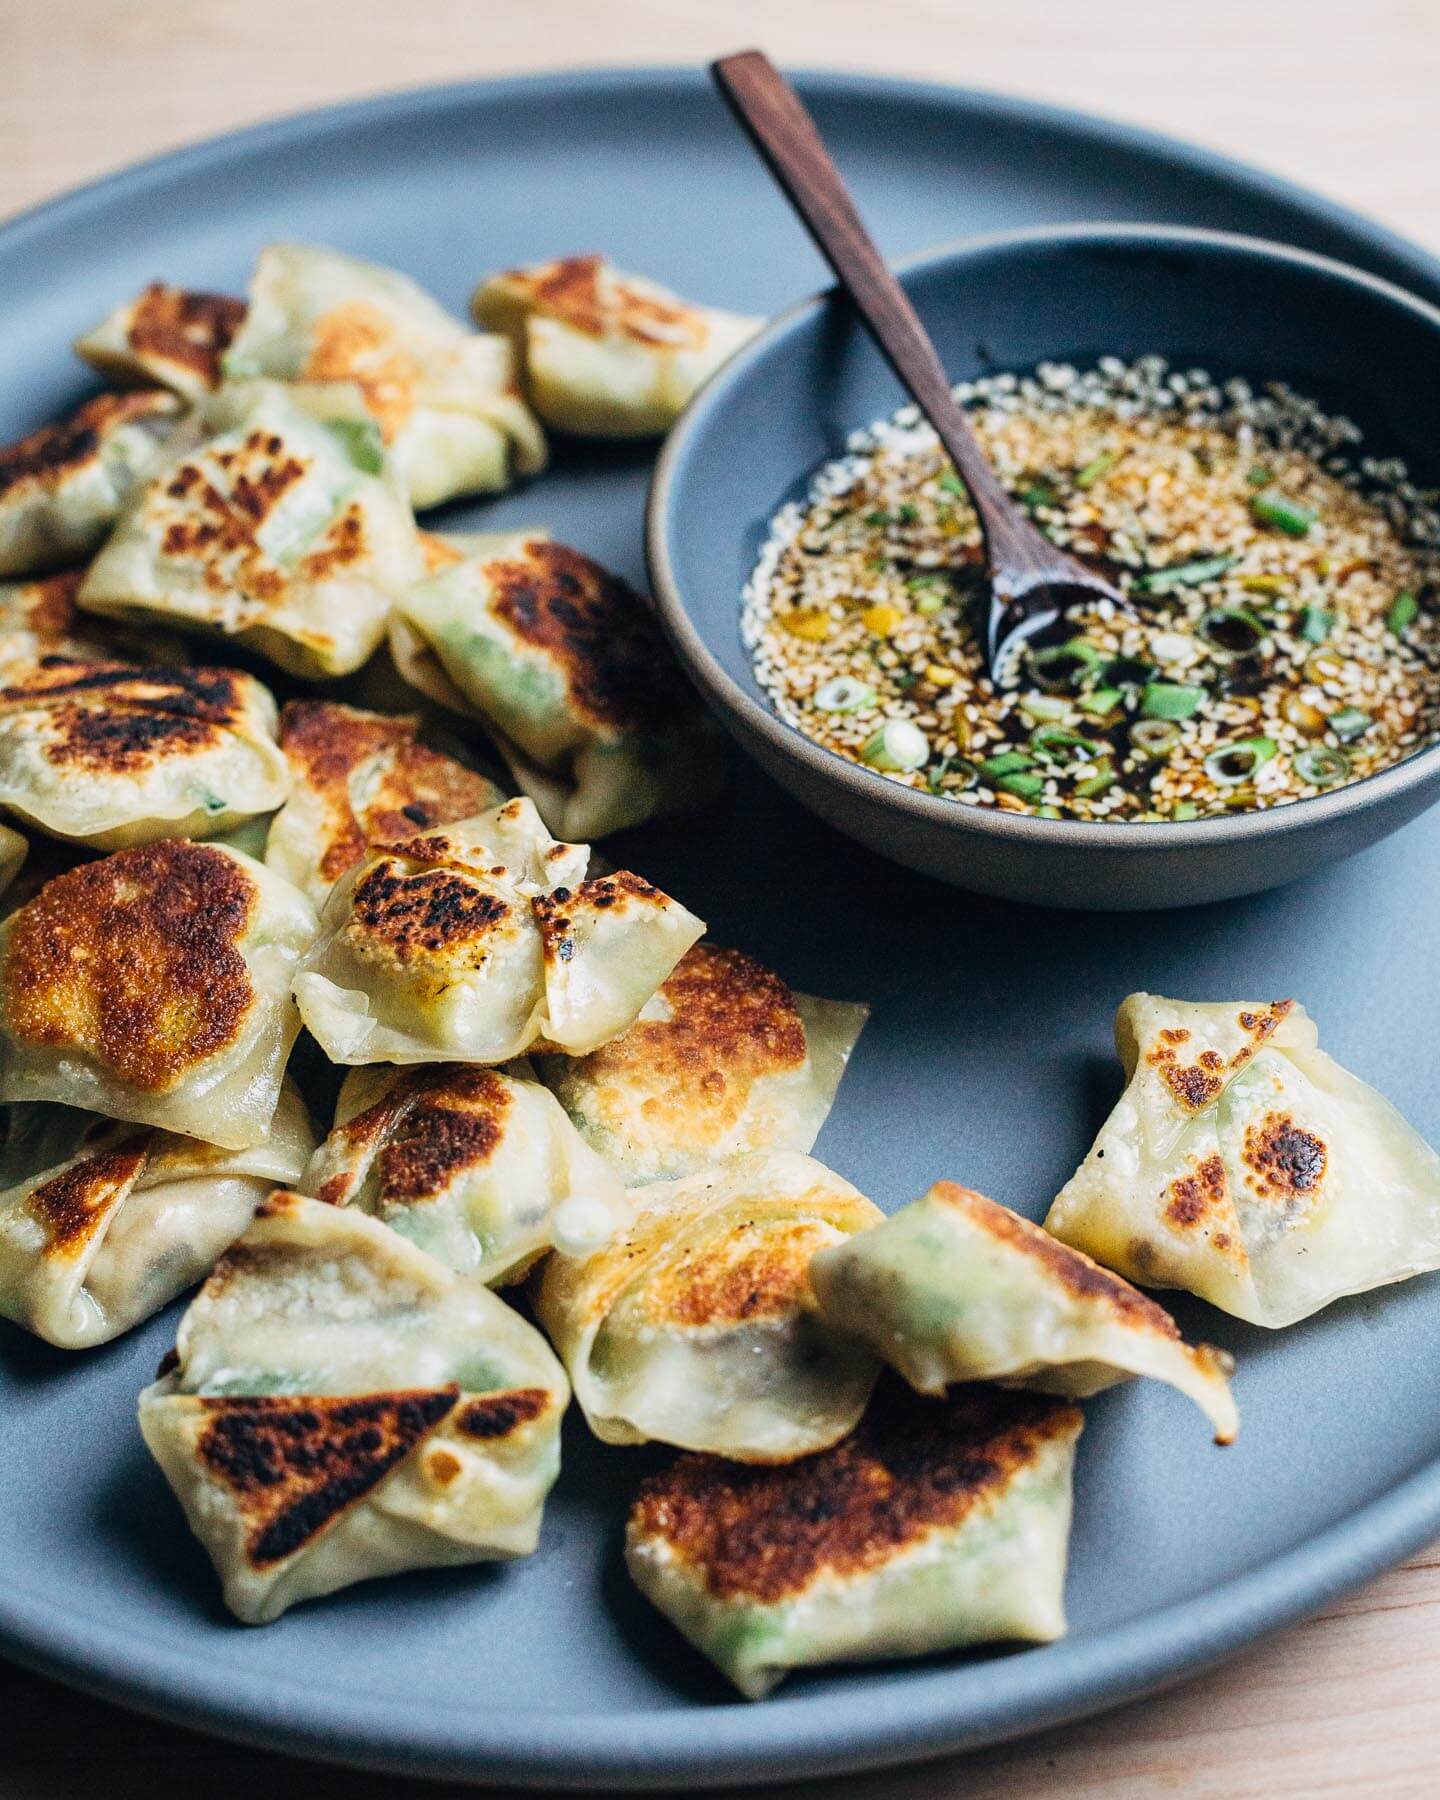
{"x": 773, "y": 115}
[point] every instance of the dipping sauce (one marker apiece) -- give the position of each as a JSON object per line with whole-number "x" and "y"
{"x": 1285, "y": 632}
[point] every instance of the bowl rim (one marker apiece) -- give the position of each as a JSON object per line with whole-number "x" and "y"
{"x": 723, "y": 691}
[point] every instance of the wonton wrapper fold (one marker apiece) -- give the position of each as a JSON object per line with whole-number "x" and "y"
{"x": 342, "y": 1406}
{"x": 936, "y": 1524}
{"x": 696, "y": 1326}
{"x": 102, "y": 1224}
{"x": 956, "y": 1288}
{"x": 1246, "y": 1165}
{"x": 171, "y": 336}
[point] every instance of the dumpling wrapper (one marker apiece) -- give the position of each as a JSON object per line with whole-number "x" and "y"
{"x": 603, "y": 353}
{"x": 271, "y": 521}
{"x": 563, "y": 664}
{"x": 1244, "y": 1164}
{"x": 62, "y": 488}
{"x": 476, "y": 941}
{"x": 111, "y": 755}
{"x": 955, "y": 1287}
{"x": 723, "y": 1061}
{"x": 167, "y": 336}
{"x": 14, "y": 848}
{"x": 154, "y": 986}
{"x": 342, "y": 1406}
{"x": 479, "y": 1167}
{"x": 936, "y": 1524}
{"x": 360, "y": 778}
{"x": 39, "y": 618}
{"x": 696, "y": 1324}
{"x": 445, "y": 398}
{"x": 102, "y": 1224}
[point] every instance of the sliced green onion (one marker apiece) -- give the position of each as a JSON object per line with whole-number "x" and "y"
{"x": 1053, "y": 744}
{"x": 1259, "y": 477}
{"x": 844, "y": 695}
{"x": 1048, "y": 812}
{"x": 1155, "y": 737}
{"x": 1231, "y": 764}
{"x": 1045, "y": 707}
{"x": 1097, "y": 783}
{"x": 1350, "y": 723}
{"x": 952, "y": 765}
{"x": 1320, "y": 766}
{"x": 1231, "y": 631}
{"x": 880, "y": 518}
{"x": 1022, "y": 786}
{"x": 1100, "y": 701}
{"x": 1039, "y": 493}
{"x": 1008, "y": 762}
{"x": 1170, "y": 700}
{"x": 952, "y": 483}
{"x": 907, "y": 514}
{"x": 930, "y": 602}
{"x": 1179, "y": 575}
{"x": 1404, "y": 609}
{"x": 1316, "y": 624}
{"x": 1184, "y": 809}
{"x": 361, "y": 441}
{"x": 1061, "y": 666}
{"x": 1097, "y": 468}
{"x": 897, "y": 745}
{"x": 1284, "y": 514}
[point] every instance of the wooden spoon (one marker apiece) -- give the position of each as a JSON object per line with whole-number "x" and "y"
{"x": 1031, "y": 581}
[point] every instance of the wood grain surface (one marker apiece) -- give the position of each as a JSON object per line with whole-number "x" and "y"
{"x": 1341, "y": 97}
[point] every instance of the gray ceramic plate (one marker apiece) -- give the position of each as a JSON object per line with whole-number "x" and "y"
{"x": 987, "y": 1058}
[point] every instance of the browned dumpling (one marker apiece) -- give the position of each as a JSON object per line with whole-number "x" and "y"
{"x": 172, "y": 336}
{"x": 357, "y": 779}
{"x": 39, "y": 618}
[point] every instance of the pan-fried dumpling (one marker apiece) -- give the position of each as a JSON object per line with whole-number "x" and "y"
{"x": 606, "y": 354}
{"x": 39, "y": 618}
{"x": 480, "y": 1168}
{"x": 342, "y": 1406}
{"x": 361, "y": 778}
{"x": 696, "y": 1324}
{"x": 445, "y": 398}
{"x": 272, "y": 522}
{"x": 61, "y": 488}
{"x": 1244, "y": 1164}
{"x": 13, "y": 851}
{"x": 724, "y": 1060}
{"x": 473, "y": 942}
{"x": 102, "y": 1224}
{"x": 563, "y": 664}
{"x": 111, "y": 756}
{"x": 154, "y": 985}
{"x": 937, "y": 1524}
{"x": 954, "y": 1288}
{"x": 172, "y": 337}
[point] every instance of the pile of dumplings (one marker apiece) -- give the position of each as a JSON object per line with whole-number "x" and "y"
{"x": 570, "y": 1152}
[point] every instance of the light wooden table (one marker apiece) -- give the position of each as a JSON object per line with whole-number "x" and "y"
{"x": 1341, "y": 97}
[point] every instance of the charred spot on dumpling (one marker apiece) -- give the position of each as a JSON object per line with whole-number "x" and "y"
{"x": 188, "y": 329}
{"x": 596, "y": 630}
{"x": 210, "y": 511}
{"x": 73, "y": 1205}
{"x": 497, "y": 1415}
{"x": 557, "y": 913}
{"x": 410, "y": 915}
{"x": 1287, "y": 1163}
{"x": 451, "y": 1125}
{"x": 580, "y": 292}
{"x": 912, "y": 1467}
{"x": 438, "y": 552}
{"x": 47, "y": 606}
{"x": 760, "y": 1271}
{"x": 356, "y": 341}
{"x": 294, "y": 1465}
{"x": 58, "y": 452}
{"x": 1072, "y": 1269}
{"x": 135, "y": 960}
{"x": 1199, "y": 1202}
{"x": 113, "y": 719}
{"x": 343, "y": 544}
{"x": 1258, "y": 1026}
{"x": 1193, "y": 1087}
{"x": 731, "y": 1022}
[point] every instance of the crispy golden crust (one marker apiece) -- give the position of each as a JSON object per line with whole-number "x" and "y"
{"x": 54, "y": 453}
{"x": 294, "y": 1465}
{"x": 406, "y": 916}
{"x": 134, "y": 960}
{"x": 619, "y": 893}
{"x": 760, "y": 1271}
{"x": 1196, "y": 1085}
{"x": 1072, "y": 1269}
{"x": 113, "y": 719}
{"x": 356, "y": 342}
{"x": 913, "y": 1466}
{"x": 497, "y": 1415}
{"x": 1287, "y": 1163}
{"x": 595, "y": 629}
{"x": 47, "y": 607}
{"x": 432, "y": 1127}
{"x": 570, "y": 289}
{"x": 732, "y": 1023}
{"x": 73, "y": 1206}
{"x": 1200, "y": 1202}
{"x": 409, "y": 786}
{"x": 191, "y": 330}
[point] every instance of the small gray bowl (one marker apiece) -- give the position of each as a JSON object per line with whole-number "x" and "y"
{"x": 785, "y": 403}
